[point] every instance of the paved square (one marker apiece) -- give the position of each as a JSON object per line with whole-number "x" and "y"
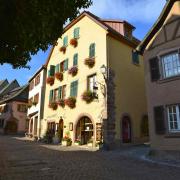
{"x": 24, "y": 160}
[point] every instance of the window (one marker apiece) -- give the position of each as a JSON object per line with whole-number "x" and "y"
{"x": 22, "y": 108}
{"x": 75, "y": 60}
{"x": 174, "y": 118}
{"x": 51, "y": 72}
{"x": 36, "y": 98}
{"x": 64, "y": 65}
{"x": 57, "y": 68}
{"x": 76, "y": 33}
{"x": 1, "y": 123}
{"x": 135, "y": 57}
{"x": 64, "y": 92}
{"x": 92, "y": 83}
{"x": 65, "y": 41}
{"x": 31, "y": 85}
{"x": 92, "y": 50}
{"x": 51, "y": 94}
{"x": 74, "y": 89}
{"x": 37, "y": 79}
{"x": 171, "y": 64}
{"x": 56, "y": 95}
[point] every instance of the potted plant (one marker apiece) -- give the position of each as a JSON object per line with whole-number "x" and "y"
{"x": 34, "y": 103}
{"x": 59, "y": 76}
{"x": 74, "y": 42}
{"x": 61, "y": 103}
{"x": 77, "y": 142}
{"x": 71, "y": 102}
{"x": 63, "y": 49}
{"x": 99, "y": 144}
{"x": 29, "y": 105}
{"x": 73, "y": 70}
{"x": 50, "y": 80}
{"x": 53, "y": 105}
{"x": 67, "y": 141}
{"x": 88, "y": 96}
{"x": 90, "y": 62}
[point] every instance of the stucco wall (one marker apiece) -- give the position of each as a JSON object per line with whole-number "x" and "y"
{"x": 163, "y": 92}
{"x": 90, "y": 32}
{"x": 129, "y": 81}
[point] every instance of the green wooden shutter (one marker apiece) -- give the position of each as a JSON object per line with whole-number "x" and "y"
{"x": 49, "y": 73}
{"x": 135, "y": 57}
{"x": 159, "y": 120}
{"x": 57, "y": 68}
{"x": 76, "y": 32}
{"x": 74, "y": 89}
{"x": 60, "y": 93}
{"x": 92, "y": 50}
{"x": 65, "y": 41}
{"x": 51, "y": 95}
{"x": 66, "y": 65}
{"x": 52, "y": 70}
{"x": 75, "y": 60}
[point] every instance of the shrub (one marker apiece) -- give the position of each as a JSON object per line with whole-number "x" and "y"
{"x": 63, "y": 49}
{"x": 71, "y": 102}
{"x": 61, "y": 102}
{"x": 59, "y": 76}
{"x": 73, "y": 71}
{"x": 53, "y": 105}
{"x": 74, "y": 42}
{"x": 50, "y": 80}
{"x": 88, "y": 96}
{"x": 90, "y": 62}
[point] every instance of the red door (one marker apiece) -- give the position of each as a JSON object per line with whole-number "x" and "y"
{"x": 126, "y": 130}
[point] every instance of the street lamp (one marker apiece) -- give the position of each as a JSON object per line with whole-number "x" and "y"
{"x": 103, "y": 69}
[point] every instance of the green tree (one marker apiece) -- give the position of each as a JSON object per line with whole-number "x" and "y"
{"x": 30, "y": 25}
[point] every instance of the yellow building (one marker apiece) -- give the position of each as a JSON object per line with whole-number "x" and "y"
{"x": 95, "y": 64}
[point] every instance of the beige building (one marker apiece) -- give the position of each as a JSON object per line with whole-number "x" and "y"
{"x": 13, "y": 107}
{"x": 95, "y": 83}
{"x": 161, "y": 49}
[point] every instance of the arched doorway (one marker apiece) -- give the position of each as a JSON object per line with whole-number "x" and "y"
{"x": 84, "y": 130}
{"x": 126, "y": 129}
{"x": 60, "y": 129}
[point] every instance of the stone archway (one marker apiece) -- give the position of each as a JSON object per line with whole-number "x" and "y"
{"x": 84, "y": 130}
{"x": 126, "y": 130}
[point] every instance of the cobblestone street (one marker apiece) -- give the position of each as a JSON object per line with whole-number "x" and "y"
{"x": 29, "y": 160}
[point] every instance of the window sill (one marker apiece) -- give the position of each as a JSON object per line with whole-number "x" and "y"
{"x": 173, "y": 135}
{"x": 173, "y": 78}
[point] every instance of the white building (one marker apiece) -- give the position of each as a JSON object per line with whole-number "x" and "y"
{"x": 36, "y": 102}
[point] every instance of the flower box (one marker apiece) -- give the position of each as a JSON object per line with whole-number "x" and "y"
{"x": 59, "y": 76}
{"x": 50, "y": 80}
{"x": 73, "y": 71}
{"x": 61, "y": 103}
{"x": 74, "y": 42}
{"x": 90, "y": 62}
{"x": 88, "y": 96}
{"x": 63, "y": 49}
{"x": 53, "y": 105}
{"x": 71, "y": 102}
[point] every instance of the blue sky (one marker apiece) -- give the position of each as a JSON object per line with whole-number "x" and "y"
{"x": 141, "y": 13}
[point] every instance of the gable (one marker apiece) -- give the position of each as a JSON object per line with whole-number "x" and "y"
{"x": 169, "y": 32}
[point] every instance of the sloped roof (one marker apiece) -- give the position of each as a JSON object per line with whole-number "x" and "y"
{"x": 13, "y": 94}
{"x": 157, "y": 25}
{"x": 112, "y": 32}
{"x": 6, "y": 87}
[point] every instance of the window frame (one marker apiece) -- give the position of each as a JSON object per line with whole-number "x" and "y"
{"x": 177, "y": 107}
{"x": 162, "y": 65}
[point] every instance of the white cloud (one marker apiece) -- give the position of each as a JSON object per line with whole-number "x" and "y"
{"x": 144, "y": 11}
